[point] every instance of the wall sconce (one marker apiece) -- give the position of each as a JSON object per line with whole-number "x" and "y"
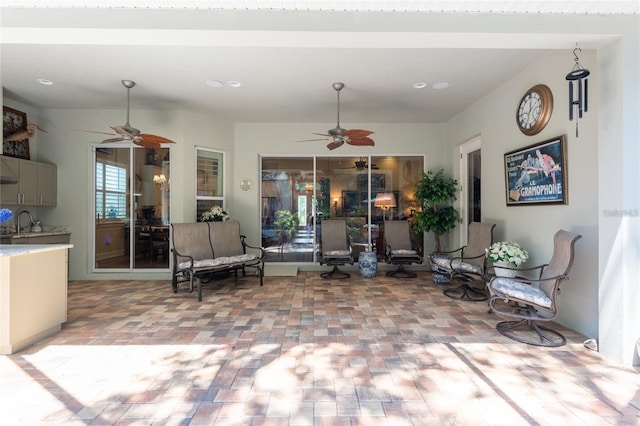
{"x": 581, "y": 99}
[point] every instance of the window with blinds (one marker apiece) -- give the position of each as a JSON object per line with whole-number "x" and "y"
{"x": 111, "y": 191}
{"x": 209, "y": 180}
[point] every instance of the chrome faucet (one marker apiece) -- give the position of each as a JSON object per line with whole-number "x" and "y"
{"x": 18, "y": 219}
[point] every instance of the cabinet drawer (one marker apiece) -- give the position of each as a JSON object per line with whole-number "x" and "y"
{"x": 45, "y": 239}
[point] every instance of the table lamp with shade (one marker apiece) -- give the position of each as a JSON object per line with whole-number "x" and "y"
{"x": 385, "y": 201}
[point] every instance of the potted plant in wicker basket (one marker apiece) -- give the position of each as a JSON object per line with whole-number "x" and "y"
{"x": 506, "y": 256}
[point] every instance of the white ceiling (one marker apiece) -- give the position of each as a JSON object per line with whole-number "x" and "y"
{"x": 285, "y": 54}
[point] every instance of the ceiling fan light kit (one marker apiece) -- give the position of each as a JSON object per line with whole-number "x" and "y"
{"x": 338, "y": 136}
{"x": 360, "y": 164}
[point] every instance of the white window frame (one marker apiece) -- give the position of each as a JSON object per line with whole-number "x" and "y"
{"x": 221, "y": 174}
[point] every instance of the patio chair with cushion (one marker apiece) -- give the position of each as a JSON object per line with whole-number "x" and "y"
{"x": 469, "y": 267}
{"x": 335, "y": 248}
{"x": 534, "y": 300}
{"x": 398, "y": 248}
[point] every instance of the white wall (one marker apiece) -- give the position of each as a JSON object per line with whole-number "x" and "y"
{"x": 618, "y": 199}
{"x": 70, "y": 150}
{"x": 255, "y": 139}
{"x": 493, "y": 117}
{"x": 602, "y": 296}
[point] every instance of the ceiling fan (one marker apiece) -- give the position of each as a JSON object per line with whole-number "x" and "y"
{"x": 127, "y": 132}
{"x": 338, "y": 136}
{"x": 361, "y": 164}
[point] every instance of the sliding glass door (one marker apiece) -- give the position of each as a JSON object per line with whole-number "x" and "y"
{"x": 297, "y": 194}
{"x": 288, "y": 205}
{"x": 131, "y": 208}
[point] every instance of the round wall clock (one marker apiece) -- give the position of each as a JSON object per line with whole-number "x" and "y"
{"x": 534, "y": 110}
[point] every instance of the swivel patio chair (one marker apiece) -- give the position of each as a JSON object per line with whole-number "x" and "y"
{"x": 470, "y": 266}
{"x": 335, "y": 248}
{"x": 398, "y": 249}
{"x": 534, "y": 300}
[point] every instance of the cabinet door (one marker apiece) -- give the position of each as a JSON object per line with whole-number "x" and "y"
{"x": 9, "y": 168}
{"x": 28, "y": 183}
{"x": 47, "y": 184}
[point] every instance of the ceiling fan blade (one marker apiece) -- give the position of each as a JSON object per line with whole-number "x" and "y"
{"x": 323, "y": 134}
{"x": 93, "y": 131}
{"x": 154, "y": 138}
{"x": 358, "y": 133}
{"x": 312, "y": 140}
{"x": 335, "y": 144}
{"x": 111, "y": 140}
{"x": 361, "y": 142}
{"x": 146, "y": 143}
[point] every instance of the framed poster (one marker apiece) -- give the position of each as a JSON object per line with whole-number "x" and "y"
{"x": 14, "y": 121}
{"x": 377, "y": 182}
{"x": 537, "y": 174}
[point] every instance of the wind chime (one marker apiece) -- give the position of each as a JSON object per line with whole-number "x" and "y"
{"x": 579, "y": 100}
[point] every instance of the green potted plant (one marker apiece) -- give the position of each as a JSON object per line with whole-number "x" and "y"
{"x": 287, "y": 222}
{"x": 436, "y": 193}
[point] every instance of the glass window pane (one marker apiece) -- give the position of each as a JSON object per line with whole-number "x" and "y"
{"x": 288, "y": 194}
{"x": 209, "y": 182}
{"x": 364, "y": 190}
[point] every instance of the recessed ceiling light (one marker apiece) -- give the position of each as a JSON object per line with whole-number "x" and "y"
{"x": 420, "y": 85}
{"x": 440, "y": 85}
{"x": 213, "y": 83}
{"x": 233, "y": 83}
{"x": 44, "y": 81}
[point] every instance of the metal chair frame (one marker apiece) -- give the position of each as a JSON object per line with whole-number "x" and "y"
{"x": 398, "y": 249}
{"x": 511, "y": 297}
{"x": 335, "y": 248}
{"x": 473, "y": 254}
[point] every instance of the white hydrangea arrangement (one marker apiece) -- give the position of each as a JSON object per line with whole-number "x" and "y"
{"x": 507, "y": 252}
{"x": 215, "y": 214}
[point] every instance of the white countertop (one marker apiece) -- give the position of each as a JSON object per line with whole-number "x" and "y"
{"x": 22, "y": 249}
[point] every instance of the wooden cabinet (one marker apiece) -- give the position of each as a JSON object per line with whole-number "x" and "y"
{"x": 28, "y": 183}
{"x": 9, "y": 169}
{"x": 36, "y": 184}
{"x": 44, "y": 239}
{"x": 47, "y": 184}
{"x": 34, "y": 290}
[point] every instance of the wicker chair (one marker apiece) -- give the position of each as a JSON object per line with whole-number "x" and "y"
{"x": 335, "y": 248}
{"x": 469, "y": 266}
{"x": 534, "y": 300}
